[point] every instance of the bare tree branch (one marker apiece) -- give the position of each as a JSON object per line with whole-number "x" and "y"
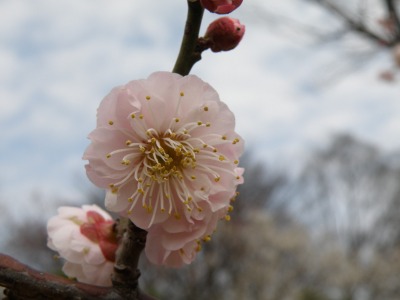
{"x": 356, "y": 25}
{"x": 394, "y": 16}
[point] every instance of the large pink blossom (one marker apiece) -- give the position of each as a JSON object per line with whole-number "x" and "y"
{"x": 85, "y": 239}
{"x": 166, "y": 151}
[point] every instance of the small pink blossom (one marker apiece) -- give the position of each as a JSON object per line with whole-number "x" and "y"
{"x": 84, "y": 237}
{"x": 221, "y": 6}
{"x": 224, "y": 34}
{"x": 166, "y": 151}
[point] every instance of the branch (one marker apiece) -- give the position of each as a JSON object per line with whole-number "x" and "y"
{"x": 191, "y": 48}
{"x": 394, "y": 16}
{"x": 354, "y": 24}
{"x": 126, "y": 272}
{"x": 23, "y": 282}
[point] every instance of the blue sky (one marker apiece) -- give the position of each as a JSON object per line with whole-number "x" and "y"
{"x": 58, "y": 59}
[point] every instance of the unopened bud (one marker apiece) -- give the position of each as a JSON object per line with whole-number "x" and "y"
{"x": 221, "y": 6}
{"x": 224, "y": 34}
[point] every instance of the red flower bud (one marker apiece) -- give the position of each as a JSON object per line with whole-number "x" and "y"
{"x": 224, "y": 34}
{"x": 221, "y": 6}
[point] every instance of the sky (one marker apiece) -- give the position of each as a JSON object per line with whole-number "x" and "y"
{"x": 58, "y": 59}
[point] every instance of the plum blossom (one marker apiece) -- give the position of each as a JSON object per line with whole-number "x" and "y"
{"x": 221, "y": 6}
{"x": 167, "y": 154}
{"x": 85, "y": 238}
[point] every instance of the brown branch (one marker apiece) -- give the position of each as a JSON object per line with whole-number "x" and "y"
{"x": 394, "y": 16}
{"x": 354, "y": 24}
{"x": 126, "y": 272}
{"x": 190, "y": 51}
{"x": 22, "y": 282}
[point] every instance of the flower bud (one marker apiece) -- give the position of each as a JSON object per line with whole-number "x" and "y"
{"x": 221, "y": 6}
{"x": 224, "y": 34}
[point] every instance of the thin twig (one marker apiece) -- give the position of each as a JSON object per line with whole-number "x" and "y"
{"x": 190, "y": 51}
{"x": 354, "y": 24}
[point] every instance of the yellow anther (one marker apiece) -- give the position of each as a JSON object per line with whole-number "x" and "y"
{"x": 238, "y": 177}
{"x": 148, "y": 98}
{"x": 176, "y": 120}
{"x": 235, "y": 161}
{"x": 198, "y": 248}
{"x": 199, "y": 209}
{"x": 182, "y": 94}
{"x": 208, "y": 124}
{"x": 224, "y": 137}
{"x": 130, "y": 199}
{"x": 216, "y": 179}
{"x": 205, "y": 145}
{"x": 140, "y": 180}
{"x": 111, "y": 122}
{"x": 129, "y": 212}
{"x": 177, "y": 216}
{"x": 230, "y": 208}
{"x": 108, "y": 155}
{"x": 199, "y": 123}
{"x": 114, "y": 190}
{"x": 227, "y": 217}
{"x": 207, "y": 238}
{"x": 141, "y": 116}
{"x": 205, "y": 108}
{"x": 235, "y": 141}
{"x": 128, "y": 142}
{"x": 133, "y": 116}
{"x": 215, "y": 150}
{"x": 221, "y": 158}
{"x": 193, "y": 177}
{"x": 141, "y": 191}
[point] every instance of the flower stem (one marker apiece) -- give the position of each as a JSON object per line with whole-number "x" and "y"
{"x": 126, "y": 273}
{"x": 190, "y": 53}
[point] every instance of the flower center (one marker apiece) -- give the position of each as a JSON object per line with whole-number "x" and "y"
{"x": 167, "y": 156}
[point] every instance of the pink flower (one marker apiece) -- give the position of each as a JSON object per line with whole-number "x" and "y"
{"x": 84, "y": 237}
{"x": 167, "y": 153}
{"x": 179, "y": 242}
{"x": 224, "y": 34}
{"x": 221, "y": 6}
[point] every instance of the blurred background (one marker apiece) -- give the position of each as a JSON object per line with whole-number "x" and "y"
{"x": 315, "y": 89}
